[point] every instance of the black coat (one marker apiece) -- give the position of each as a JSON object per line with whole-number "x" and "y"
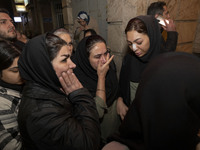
{"x": 50, "y": 121}
{"x": 165, "y": 114}
{"x": 48, "y": 118}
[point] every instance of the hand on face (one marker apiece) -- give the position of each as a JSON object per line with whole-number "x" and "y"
{"x": 103, "y": 68}
{"x": 69, "y": 82}
{"x": 169, "y": 26}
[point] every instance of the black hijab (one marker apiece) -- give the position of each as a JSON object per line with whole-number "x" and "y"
{"x": 165, "y": 113}
{"x": 88, "y": 76}
{"x": 133, "y": 66}
{"x": 35, "y": 65}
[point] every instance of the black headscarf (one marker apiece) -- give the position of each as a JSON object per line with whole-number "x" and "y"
{"x": 88, "y": 76}
{"x": 133, "y": 66}
{"x": 165, "y": 113}
{"x": 35, "y": 65}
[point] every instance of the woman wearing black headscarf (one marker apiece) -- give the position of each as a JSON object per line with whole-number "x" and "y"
{"x": 143, "y": 38}
{"x": 56, "y": 112}
{"x": 96, "y": 71}
{"x": 165, "y": 113}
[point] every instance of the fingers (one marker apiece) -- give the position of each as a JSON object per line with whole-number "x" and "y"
{"x": 109, "y": 60}
{"x": 170, "y": 26}
{"x": 69, "y": 82}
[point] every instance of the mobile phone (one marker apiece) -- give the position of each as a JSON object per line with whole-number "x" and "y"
{"x": 161, "y": 20}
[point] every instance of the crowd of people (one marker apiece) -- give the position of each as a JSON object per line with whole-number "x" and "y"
{"x": 54, "y": 97}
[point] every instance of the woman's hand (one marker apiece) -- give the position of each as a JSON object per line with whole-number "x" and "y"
{"x": 121, "y": 108}
{"x": 103, "y": 68}
{"x": 69, "y": 82}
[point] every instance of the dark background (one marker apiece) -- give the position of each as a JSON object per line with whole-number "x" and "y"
{"x": 7, "y": 4}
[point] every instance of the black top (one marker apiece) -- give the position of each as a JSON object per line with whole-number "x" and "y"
{"x": 165, "y": 113}
{"x": 88, "y": 76}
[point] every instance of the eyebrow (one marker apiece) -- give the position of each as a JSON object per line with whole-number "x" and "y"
{"x": 100, "y": 54}
{"x": 134, "y": 40}
{"x": 3, "y": 19}
{"x": 66, "y": 55}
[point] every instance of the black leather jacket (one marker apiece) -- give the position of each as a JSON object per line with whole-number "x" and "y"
{"x": 51, "y": 121}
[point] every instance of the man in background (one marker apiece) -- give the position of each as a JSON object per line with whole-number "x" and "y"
{"x": 170, "y": 36}
{"x": 7, "y": 28}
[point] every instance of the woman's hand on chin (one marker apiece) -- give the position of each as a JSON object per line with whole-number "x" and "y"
{"x": 69, "y": 82}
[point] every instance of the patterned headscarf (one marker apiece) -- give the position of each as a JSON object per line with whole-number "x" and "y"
{"x": 83, "y": 15}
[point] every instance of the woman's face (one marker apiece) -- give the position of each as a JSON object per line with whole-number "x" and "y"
{"x": 66, "y": 37}
{"x": 11, "y": 74}
{"x": 138, "y": 42}
{"x": 82, "y": 22}
{"x": 98, "y": 54}
{"x": 62, "y": 62}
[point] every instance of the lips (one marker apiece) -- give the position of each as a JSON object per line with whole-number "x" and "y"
{"x": 138, "y": 54}
{"x": 12, "y": 30}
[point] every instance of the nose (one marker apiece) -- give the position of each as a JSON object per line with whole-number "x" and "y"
{"x": 11, "y": 24}
{"x": 72, "y": 65}
{"x": 103, "y": 58}
{"x": 134, "y": 47}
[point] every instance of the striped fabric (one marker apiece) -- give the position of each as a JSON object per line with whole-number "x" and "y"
{"x": 9, "y": 132}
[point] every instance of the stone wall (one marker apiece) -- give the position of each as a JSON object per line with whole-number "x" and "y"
{"x": 67, "y": 14}
{"x": 185, "y": 14}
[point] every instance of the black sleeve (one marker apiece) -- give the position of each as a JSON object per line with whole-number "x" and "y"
{"x": 75, "y": 125}
{"x": 170, "y": 44}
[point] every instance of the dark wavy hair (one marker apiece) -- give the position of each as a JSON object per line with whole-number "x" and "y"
{"x": 3, "y": 10}
{"x": 54, "y": 44}
{"x": 92, "y": 31}
{"x": 137, "y": 25}
{"x": 156, "y": 8}
{"x": 8, "y": 53}
{"x": 91, "y": 41}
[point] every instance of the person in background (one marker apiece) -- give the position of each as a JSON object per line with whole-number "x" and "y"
{"x": 56, "y": 112}
{"x": 169, "y": 34}
{"x": 21, "y": 40}
{"x": 144, "y": 40}
{"x": 7, "y": 28}
{"x": 165, "y": 114}
{"x": 97, "y": 72}
{"x": 84, "y": 22}
{"x": 89, "y": 32}
{"x": 66, "y": 36}
{"x": 22, "y": 37}
{"x": 10, "y": 96}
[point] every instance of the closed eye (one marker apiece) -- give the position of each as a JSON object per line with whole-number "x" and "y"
{"x": 14, "y": 69}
